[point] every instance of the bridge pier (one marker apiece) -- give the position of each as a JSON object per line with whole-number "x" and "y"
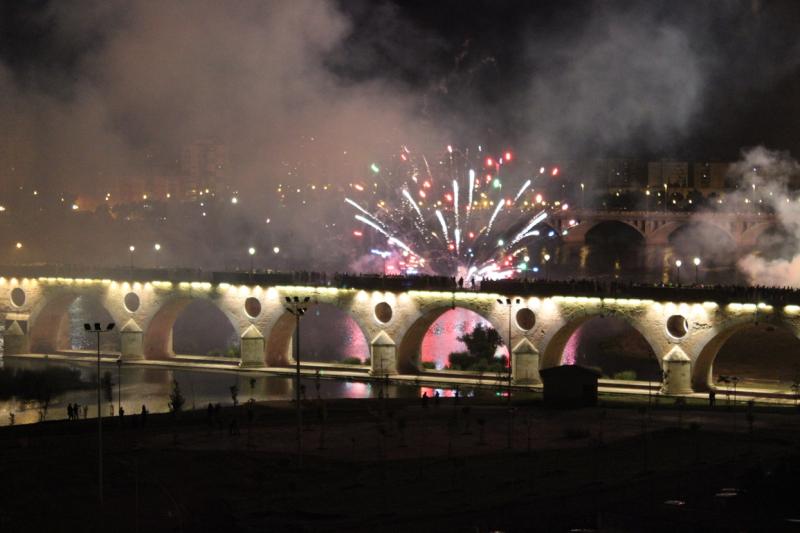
{"x": 677, "y": 368}
{"x": 383, "y": 355}
{"x": 252, "y": 348}
{"x": 131, "y": 339}
{"x": 15, "y": 340}
{"x": 525, "y": 364}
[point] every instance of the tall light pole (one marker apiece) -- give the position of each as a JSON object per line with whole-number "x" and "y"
{"x": 678, "y": 264}
{"x": 119, "y": 386}
{"x": 298, "y": 308}
{"x": 157, "y": 248}
{"x": 647, "y": 193}
{"x": 665, "y": 197}
{"x": 546, "y": 265}
{"x": 97, "y": 329}
{"x": 131, "y": 249}
{"x": 583, "y": 196}
{"x": 696, "y": 262}
{"x": 509, "y": 302}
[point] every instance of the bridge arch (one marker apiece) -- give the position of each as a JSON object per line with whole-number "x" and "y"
{"x": 702, "y": 369}
{"x": 751, "y": 235}
{"x": 409, "y": 348}
{"x": 553, "y": 352}
{"x": 279, "y": 339}
{"x": 578, "y": 233}
{"x": 664, "y": 234}
{"x": 158, "y": 332}
{"x": 49, "y": 320}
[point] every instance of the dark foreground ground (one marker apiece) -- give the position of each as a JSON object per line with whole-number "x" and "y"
{"x": 394, "y": 466}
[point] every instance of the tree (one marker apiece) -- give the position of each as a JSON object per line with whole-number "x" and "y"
{"x": 482, "y": 342}
{"x": 234, "y": 394}
{"x": 176, "y": 399}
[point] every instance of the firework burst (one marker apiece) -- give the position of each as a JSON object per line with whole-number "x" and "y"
{"x": 465, "y": 215}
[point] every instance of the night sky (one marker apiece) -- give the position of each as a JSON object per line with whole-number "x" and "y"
{"x": 570, "y": 79}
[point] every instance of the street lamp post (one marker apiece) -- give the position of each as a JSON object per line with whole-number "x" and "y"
{"x": 298, "y": 308}
{"x": 696, "y": 262}
{"x": 583, "y": 196}
{"x": 647, "y": 193}
{"x": 546, "y": 265}
{"x": 509, "y": 302}
{"x": 678, "y": 264}
{"x": 251, "y": 252}
{"x": 157, "y": 248}
{"x": 665, "y": 197}
{"x": 131, "y": 249}
{"x": 98, "y": 330}
{"x": 119, "y": 386}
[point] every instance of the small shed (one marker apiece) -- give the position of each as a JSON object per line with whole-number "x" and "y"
{"x": 570, "y": 386}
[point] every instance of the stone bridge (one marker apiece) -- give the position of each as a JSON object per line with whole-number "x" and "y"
{"x": 685, "y": 336}
{"x": 744, "y": 229}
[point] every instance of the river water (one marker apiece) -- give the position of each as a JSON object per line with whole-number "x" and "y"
{"x": 151, "y": 387}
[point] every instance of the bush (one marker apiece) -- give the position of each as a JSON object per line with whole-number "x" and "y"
{"x": 429, "y": 365}
{"x": 461, "y": 360}
{"x": 627, "y": 375}
{"x": 176, "y": 399}
{"x": 351, "y": 361}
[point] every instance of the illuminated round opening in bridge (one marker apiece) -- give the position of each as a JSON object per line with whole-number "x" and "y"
{"x": 383, "y": 312}
{"x": 677, "y": 326}
{"x": 252, "y": 307}
{"x": 17, "y": 297}
{"x": 132, "y": 302}
{"x": 526, "y": 319}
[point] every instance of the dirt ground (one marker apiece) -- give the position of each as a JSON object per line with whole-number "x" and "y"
{"x": 396, "y": 466}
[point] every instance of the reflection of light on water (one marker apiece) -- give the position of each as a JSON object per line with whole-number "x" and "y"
{"x": 441, "y": 338}
{"x": 444, "y": 393}
{"x": 570, "y": 356}
{"x": 355, "y": 389}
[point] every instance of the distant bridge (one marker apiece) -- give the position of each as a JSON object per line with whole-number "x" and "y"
{"x": 684, "y": 327}
{"x": 656, "y": 227}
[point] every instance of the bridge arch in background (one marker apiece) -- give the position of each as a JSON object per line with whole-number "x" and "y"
{"x": 664, "y": 234}
{"x": 578, "y": 234}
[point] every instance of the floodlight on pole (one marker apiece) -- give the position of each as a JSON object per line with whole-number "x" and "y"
{"x": 509, "y": 302}
{"x": 678, "y": 264}
{"x": 298, "y": 308}
{"x": 98, "y": 330}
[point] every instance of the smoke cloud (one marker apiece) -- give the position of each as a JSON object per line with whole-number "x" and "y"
{"x": 629, "y": 79}
{"x": 765, "y": 175}
{"x": 157, "y": 75}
